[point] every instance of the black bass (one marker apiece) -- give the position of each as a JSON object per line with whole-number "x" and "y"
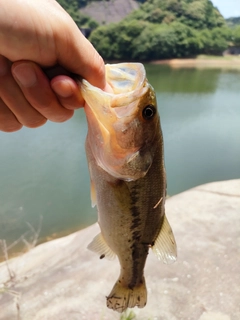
{"x": 124, "y": 148}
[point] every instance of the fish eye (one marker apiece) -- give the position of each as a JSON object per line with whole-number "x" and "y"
{"x": 149, "y": 112}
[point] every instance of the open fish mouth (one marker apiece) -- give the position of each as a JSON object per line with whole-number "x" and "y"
{"x": 114, "y": 120}
{"x": 128, "y": 85}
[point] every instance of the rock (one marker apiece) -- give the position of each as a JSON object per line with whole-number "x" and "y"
{"x": 62, "y": 280}
{"x": 111, "y": 11}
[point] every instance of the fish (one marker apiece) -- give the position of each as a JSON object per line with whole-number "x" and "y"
{"x": 124, "y": 148}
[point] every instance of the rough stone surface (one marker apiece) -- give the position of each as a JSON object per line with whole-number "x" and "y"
{"x": 62, "y": 280}
{"x": 105, "y": 12}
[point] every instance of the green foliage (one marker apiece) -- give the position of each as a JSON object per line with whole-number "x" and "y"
{"x": 232, "y": 22}
{"x": 201, "y": 14}
{"x": 214, "y": 41}
{"x": 142, "y": 40}
{"x": 72, "y": 7}
{"x": 83, "y": 3}
{"x": 69, "y": 5}
{"x": 197, "y": 14}
{"x": 115, "y": 41}
{"x": 236, "y": 36}
{"x": 155, "y": 42}
{"x": 163, "y": 41}
{"x": 159, "y": 29}
{"x": 128, "y": 315}
{"x": 86, "y": 21}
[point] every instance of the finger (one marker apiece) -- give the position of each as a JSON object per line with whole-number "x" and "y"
{"x": 68, "y": 92}
{"x": 65, "y": 85}
{"x": 14, "y": 99}
{"x": 79, "y": 56}
{"x": 37, "y": 90}
{"x": 8, "y": 122}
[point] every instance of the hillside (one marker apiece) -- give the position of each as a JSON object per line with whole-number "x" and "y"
{"x": 233, "y": 22}
{"x": 195, "y": 13}
{"x": 91, "y": 13}
{"x": 163, "y": 29}
{"x": 105, "y": 12}
{"x": 143, "y": 30}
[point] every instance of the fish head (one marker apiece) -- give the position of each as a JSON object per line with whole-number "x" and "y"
{"x": 122, "y": 124}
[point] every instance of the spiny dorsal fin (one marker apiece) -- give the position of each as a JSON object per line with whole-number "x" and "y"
{"x": 165, "y": 245}
{"x": 99, "y": 246}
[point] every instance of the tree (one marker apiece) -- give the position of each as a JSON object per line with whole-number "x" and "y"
{"x": 155, "y": 42}
{"x": 236, "y": 36}
{"x": 233, "y": 22}
{"x": 159, "y": 29}
{"x": 197, "y": 14}
{"x": 145, "y": 41}
{"x": 115, "y": 41}
{"x": 72, "y": 7}
{"x": 214, "y": 41}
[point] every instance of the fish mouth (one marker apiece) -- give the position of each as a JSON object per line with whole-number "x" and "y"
{"x": 110, "y": 114}
{"x": 128, "y": 84}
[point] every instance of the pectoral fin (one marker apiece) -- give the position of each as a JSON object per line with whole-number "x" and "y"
{"x": 92, "y": 187}
{"x": 165, "y": 245}
{"x": 99, "y": 246}
{"x": 93, "y": 194}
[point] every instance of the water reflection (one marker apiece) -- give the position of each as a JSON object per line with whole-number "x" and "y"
{"x": 188, "y": 80}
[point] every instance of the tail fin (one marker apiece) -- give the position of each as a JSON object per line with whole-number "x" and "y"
{"x": 122, "y": 297}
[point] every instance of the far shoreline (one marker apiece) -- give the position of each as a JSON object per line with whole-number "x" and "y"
{"x": 232, "y": 62}
{"x": 200, "y": 62}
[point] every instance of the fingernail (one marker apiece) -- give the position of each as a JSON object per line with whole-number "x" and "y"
{"x": 62, "y": 88}
{"x": 25, "y": 74}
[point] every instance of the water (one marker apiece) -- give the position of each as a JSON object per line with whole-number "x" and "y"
{"x": 200, "y": 115}
{"x": 44, "y": 171}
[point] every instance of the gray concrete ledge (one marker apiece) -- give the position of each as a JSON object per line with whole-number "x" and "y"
{"x": 62, "y": 280}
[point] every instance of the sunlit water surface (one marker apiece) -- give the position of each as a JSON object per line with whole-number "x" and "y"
{"x": 43, "y": 172}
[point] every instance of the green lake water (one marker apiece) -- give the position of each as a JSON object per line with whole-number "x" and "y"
{"x": 43, "y": 172}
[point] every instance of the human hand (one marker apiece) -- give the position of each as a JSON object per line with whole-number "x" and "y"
{"x": 40, "y": 33}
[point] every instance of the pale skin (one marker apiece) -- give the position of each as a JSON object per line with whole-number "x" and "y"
{"x": 34, "y": 35}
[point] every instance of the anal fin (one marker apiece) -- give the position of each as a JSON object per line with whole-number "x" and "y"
{"x": 165, "y": 245}
{"x": 99, "y": 246}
